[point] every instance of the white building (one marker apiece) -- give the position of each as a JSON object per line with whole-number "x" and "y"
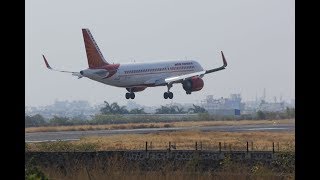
{"x": 224, "y": 106}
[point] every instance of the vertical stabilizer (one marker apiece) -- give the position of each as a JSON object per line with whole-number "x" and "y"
{"x": 94, "y": 55}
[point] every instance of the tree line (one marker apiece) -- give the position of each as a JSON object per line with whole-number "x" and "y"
{"x": 114, "y": 108}
{"x": 115, "y": 114}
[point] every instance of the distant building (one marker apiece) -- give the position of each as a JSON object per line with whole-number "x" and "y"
{"x": 271, "y": 106}
{"x": 224, "y": 106}
{"x": 80, "y": 109}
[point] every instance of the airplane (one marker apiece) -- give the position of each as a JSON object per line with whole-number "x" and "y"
{"x": 138, "y": 76}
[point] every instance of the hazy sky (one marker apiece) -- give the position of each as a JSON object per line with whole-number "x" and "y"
{"x": 257, "y": 37}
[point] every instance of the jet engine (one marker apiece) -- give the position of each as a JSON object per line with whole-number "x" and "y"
{"x": 193, "y": 84}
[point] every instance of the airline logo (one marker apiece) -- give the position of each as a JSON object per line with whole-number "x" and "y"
{"x": 95, "y": 58}
{"x": 95, "y": 44}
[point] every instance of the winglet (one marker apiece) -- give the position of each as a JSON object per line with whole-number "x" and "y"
{"x": 49, "y": 67}
{"x": 47, "y": 64}
{"x": 224, "y": 60}
{"x": 219, "y": 68}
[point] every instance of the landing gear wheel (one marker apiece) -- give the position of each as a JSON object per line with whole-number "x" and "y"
{"x": 165, "y": 95}
{"x": 132, "y": 95}
{"x": 188, "y": 92}
{"x": 127, "y": 95}
{"x": 168, "y": 94}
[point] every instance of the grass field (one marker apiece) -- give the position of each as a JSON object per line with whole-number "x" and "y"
{"x": 233, "y": 172}
{"x": 115, "y": 168}
{"x": 183, "y": 140}
{"x": 155, "y": 125}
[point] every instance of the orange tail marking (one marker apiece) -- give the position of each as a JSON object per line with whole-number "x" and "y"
{"x": 94, "y": 55}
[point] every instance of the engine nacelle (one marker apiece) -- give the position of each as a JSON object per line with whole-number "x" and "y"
{"x": 136, "y": 89}
{"x": 193, "y": 84}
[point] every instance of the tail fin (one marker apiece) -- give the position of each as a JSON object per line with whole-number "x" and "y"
{"x": 94, "y": 56}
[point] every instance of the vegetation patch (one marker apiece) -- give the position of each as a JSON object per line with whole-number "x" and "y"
{"x": 283, "y": 141}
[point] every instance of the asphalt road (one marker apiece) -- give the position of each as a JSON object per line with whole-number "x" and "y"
{"x": 76, "y": 135}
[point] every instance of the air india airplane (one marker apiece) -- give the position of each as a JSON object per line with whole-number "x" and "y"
{"x": 136, "y": 77}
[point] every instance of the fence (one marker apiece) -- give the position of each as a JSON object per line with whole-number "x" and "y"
{"x": 220, "y": 146}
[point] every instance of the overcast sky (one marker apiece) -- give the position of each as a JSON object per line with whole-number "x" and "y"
{"x": 256, "y": 36}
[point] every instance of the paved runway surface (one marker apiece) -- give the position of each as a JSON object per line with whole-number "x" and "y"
{"x": 76, "y": 135}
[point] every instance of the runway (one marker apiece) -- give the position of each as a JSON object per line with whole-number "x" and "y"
{"x": 76, "y": 135}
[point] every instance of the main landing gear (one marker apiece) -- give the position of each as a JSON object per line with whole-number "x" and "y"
{"x": 130, "y": 95}
{"x": 168, "y": 94}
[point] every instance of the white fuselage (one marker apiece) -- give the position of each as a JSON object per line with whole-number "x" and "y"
{"x": 136, "y": 77}
{"x": 144, "y": 74}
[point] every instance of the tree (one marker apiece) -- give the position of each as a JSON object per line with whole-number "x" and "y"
{"x": 197, "y": 109}
{"x": 166, "y": 110}
{"x": 179, "y": 110}
{"x": 106, "y": 109}
{"x": 163, "y": 110}
{"x": 261, "y": 115}
{"x": 137, "y": 111}
{"x": 34, "y": 121}
{"x": 114, "y": 108}
{"x": 290, "y": 112}
{"x": 58, "y": 121}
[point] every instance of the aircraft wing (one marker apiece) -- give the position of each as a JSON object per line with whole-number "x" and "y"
{"x": 49, "y": 67}
{"x": 177, "y": 79}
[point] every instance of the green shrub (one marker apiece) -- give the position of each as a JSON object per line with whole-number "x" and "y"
{"x": 63, "y": 146}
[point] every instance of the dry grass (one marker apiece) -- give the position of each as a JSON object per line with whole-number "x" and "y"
{"x": 183, "y": 140}
{"x": 186, "y": 140}
{"x": 94, "y": 127}
{"x": 120, "y": 170}
{"x": 85, "y": 174}
{"x": 155, "y": 125}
